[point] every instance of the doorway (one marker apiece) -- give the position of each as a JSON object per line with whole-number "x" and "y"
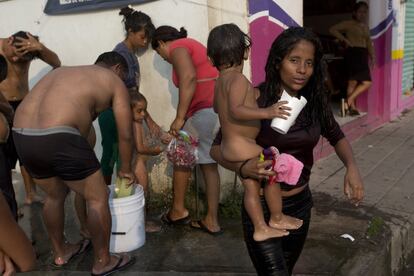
{"x": 320, "y": 15}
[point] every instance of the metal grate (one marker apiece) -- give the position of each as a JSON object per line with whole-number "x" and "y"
{"x": 408, "y": 62}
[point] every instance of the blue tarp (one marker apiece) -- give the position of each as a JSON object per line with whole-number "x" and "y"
{"x": 55, "y": 7}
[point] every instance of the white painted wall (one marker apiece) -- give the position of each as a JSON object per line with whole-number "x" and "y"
{"x": 79, "y": 38}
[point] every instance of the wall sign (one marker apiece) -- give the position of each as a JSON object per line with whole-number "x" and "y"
{"x": 56, "y": 7}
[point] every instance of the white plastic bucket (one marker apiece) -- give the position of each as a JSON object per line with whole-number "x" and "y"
{"x": 128, "y": 221}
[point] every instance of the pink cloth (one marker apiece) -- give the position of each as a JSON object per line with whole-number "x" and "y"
{"x": 206, "y": 74}
{"x": 288, "y": 169}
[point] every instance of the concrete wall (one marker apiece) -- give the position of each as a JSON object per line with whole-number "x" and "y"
{"x": 79, "y": 38}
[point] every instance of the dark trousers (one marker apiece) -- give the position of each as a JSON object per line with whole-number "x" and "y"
{"x": 277, "y": 256}
{"x": 6, "y": 186}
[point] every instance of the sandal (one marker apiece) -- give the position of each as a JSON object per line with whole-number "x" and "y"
{"x": 118, "y": 266}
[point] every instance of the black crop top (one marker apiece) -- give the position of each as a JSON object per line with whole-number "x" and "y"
{"x": 300, "y": 141}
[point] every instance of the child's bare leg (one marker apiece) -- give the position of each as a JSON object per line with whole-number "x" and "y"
{"x": 277, "y": 219}
{"x": 141, "y": 174}
{"x": 253, "y": 207}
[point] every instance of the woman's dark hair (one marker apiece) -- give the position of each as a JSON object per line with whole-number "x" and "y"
{"x": 315, "y": 92}
{"x": 227, "y": 45}
{"x": 167, "y": 33}
{"x": 357, "y": 6}
{"x": 29, "y": 56}
{"x": 136, "y": 21}
{"x": 113, "y": 58}
{"x": 3, "y": 68}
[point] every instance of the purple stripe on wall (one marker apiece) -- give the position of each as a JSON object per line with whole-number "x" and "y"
{"x": 382, "y": 25}
{"x": 274, "y": 9}
{"x": 256, "y": 6}
{"x": 277, "y": 12}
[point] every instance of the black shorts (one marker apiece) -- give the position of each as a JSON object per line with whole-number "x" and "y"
{"x": 58, "y": 151}
{"x": 356, "y": 61}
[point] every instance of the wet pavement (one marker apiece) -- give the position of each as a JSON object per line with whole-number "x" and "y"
{"x": 183, "y": 250}
{"x": 408, "y": 269}
{"x": 381, "y": 226}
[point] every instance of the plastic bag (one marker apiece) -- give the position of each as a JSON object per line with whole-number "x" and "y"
{"x": 182, "y": 150}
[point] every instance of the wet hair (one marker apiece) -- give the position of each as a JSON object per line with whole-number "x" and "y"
{"x": 29, "y": 56}
{"x": 3, "y": 68}
{"x": 113, "y": 58}
{"x": 227, "y": 45}
{"x": 167, "y": 33}
{"x": 314, "y": 91}
{"x": 137, "y": 97}
{"x": 357, "y": 6}
{"x": 136, "y": 21}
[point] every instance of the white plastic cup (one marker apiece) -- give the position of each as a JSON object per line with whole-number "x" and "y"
{"x": 283, "y": 125}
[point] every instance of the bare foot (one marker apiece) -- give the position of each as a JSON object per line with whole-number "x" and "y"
{"x": 8, "y": 267}
{"x": 285, "y": 222}
{"x": 265, "y": 233}
{"x": 116, "y": 263}
{"x": 33, "y": 198}
{"x": 152, "y": 226}
{"x": 71, "y": 251}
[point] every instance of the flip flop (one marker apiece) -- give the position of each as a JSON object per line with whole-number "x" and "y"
{"x": 202, "y": 227}
{"x": 84, "y": 246}
{"x": 182, "y": 221}
{"x": 118, "y": 266}
{"x": 354, "y": 112}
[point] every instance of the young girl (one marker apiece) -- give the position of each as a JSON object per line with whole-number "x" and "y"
{"x": 235, "y": 103}
{"x": 146, "y": 146}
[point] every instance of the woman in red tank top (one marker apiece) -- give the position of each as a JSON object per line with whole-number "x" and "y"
{"x": 194, "y": 77}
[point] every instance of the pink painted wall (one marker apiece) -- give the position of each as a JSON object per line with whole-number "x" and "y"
{"x": 384, "y": 100}
{"x": 262, "y": 36}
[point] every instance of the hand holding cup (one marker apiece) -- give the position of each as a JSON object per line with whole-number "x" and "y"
{"x": 282, "y": 125}
{"x": 279, "y": 110}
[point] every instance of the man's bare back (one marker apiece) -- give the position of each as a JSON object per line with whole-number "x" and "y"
{"x": 235, "y": 103}
{"x": 71, "y": 96}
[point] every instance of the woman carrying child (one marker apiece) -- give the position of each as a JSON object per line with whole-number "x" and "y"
{"x": 294, "y": 65}
{"x": 235, "y": 103}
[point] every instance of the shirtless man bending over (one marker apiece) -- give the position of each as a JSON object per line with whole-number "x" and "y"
{"x": 20, "y": 49}
{"x": 57, "y": 116}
